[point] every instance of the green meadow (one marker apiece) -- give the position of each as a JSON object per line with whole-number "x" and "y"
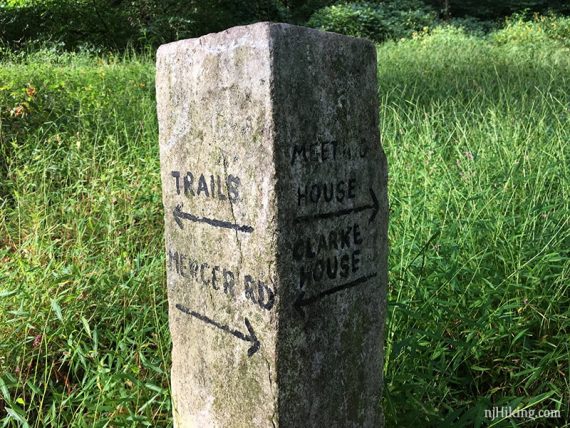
{"x": 477, "y": 134}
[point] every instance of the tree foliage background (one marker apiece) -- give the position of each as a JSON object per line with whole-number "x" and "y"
{"x": 117, "y": 24}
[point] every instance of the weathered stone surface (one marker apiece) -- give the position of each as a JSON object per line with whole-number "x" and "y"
{"x": 274, "y": 189}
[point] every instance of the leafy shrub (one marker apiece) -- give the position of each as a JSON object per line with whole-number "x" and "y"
{"x": 493, "y": 9}
{"x": 375, "y": 21}
{"x": 519, "y": 30}
{"x": 472, "y": 25}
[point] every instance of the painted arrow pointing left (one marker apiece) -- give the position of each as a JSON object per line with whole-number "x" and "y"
{"x": 304, "y": 301}
{"x": 180, "y": 215}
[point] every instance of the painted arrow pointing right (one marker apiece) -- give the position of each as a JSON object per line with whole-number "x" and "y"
{"x": 251, "y": 337}
{"x": 374, "y": 206}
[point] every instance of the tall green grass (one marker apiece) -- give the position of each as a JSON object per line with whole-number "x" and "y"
{"x": 478, "y": 141}
{"x": 83, "y": 318}
{"x": 477, "y": 134}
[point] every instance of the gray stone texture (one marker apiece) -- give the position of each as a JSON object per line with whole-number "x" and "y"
{"x": 276, "y": 214}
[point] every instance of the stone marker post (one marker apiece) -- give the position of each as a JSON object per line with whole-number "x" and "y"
{"x": 274, "y": 190}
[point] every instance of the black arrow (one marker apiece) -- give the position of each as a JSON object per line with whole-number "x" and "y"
{"x": 250, "y": 338}
{"x": 179, "y": 215}
{"x": 302, "y": 301}
{"x": 373, "y": 206}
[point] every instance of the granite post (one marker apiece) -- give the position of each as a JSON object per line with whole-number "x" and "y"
{"x": 275, "y": 196}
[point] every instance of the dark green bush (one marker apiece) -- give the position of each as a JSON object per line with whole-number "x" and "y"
{"x": 161, "y": 21}
{"x": 74, "y": 23}
{"x": 375, "y": 21}
{"x": 116, "y": 24}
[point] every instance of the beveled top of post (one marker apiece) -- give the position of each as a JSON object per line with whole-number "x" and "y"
{"x": 263, "y": 29}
